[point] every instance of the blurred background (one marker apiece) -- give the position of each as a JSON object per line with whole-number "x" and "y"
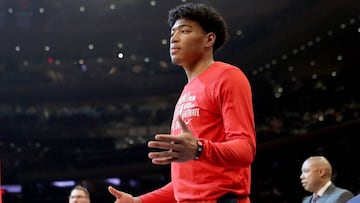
{"x": 84, "y": 85}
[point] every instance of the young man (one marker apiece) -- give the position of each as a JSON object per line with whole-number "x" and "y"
{"x": 212, "y": 142}
{"x": 316, "y": 178}
{"x": 79, "y": 194}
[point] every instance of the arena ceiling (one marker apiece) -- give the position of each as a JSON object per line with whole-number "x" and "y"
{"x": 52, "y": 46}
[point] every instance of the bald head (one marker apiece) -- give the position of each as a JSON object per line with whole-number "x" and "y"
{"x": 316, "y": 171}
{"x": 320, "y": 162}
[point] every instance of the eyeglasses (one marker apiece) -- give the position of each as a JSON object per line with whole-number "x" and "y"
{"x": 78, "y": 197}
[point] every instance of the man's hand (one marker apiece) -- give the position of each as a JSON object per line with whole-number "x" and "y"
{"x": 179, "y": 148}
{"x": 122, "y": 197}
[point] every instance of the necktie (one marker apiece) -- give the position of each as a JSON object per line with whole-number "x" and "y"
{"x": 315, "y": 198}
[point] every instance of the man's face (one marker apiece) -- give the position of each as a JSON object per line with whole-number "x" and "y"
{"x": 310, "y": 176}
{"x": 78, "y": 196}
{"x": 187, "y": 42}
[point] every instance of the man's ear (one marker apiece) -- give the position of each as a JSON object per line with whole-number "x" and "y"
{"x": 322, "y": 172}
{"x": 210, "y": 39}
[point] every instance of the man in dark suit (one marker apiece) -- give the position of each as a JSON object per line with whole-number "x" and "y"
{"x": 316, "y": 173}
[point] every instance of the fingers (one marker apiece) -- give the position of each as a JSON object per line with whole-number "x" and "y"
{"x": 161, "y": 160}
{"x": 165, "y": 145}
{"x": 163, "y": 157}
{"x": 172, "y": 147}
{"x": 165, "y": 138}
{"x": 170, "y": 154}
{"x": 115, "y": 192}
{"x": 122, "y": 197}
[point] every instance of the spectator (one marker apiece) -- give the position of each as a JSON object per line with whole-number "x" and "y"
{"x": 79, "y": 194}
{"x": 316, "y": 178}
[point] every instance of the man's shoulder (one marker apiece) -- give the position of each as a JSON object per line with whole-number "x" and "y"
{"x": 225, "y": 65}
{"x": 228, "y": 68}
{"x": 342, "y": 190}
{"x": 341, "y": 193}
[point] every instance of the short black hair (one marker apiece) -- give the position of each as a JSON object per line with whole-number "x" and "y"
{"x": 208, "y": 18}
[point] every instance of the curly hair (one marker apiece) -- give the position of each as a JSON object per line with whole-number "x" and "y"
{"x": 208, "y": 18}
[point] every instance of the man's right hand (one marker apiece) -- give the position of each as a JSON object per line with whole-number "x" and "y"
{"x": 122, "y": 197}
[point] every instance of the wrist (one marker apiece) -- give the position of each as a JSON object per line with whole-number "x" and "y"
{"x": 199, "y": 149}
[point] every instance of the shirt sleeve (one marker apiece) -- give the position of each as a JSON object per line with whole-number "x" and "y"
{"x": 235, "y": 101}
{"x": 161, "y": 195}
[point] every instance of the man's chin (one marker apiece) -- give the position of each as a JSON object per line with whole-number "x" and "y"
{"x": 174, "y": 60}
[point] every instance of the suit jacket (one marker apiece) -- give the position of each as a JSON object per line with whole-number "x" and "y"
{"x": 355, "y": 199}
{"x": 332, "y": 194}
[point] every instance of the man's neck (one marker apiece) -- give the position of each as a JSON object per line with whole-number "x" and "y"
{"x": 194, "y": 70}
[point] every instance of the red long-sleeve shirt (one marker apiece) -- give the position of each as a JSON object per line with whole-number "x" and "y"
{"x": 217, "y": 107}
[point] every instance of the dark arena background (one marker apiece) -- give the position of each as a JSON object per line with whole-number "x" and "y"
{"x": 84, "y": 84}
